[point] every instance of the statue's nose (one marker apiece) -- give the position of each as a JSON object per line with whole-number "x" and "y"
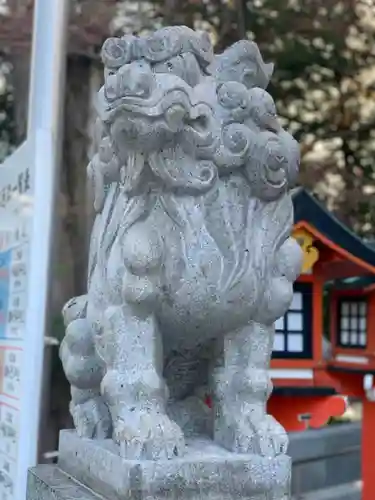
{"x": 137, "y": 79}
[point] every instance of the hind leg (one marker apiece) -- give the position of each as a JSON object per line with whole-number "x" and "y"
{"x": 84, "y": 370}
{"x": 90, "y": 414}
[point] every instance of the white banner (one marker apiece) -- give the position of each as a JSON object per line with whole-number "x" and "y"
{"x": 26, "y": 208}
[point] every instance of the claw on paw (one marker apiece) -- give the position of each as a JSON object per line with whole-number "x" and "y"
{"x": 92, "y": 419}
{"x": 262, "y": 436}
{"x": 148, "y": 435}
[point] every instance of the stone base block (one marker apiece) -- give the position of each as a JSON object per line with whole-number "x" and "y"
{"x": 206, "y": 472}
{"x": 48, "y": 482}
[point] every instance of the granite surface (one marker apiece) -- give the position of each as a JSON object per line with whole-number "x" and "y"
{"x": 48, "y": 482}
{"x": 205, "y": 471}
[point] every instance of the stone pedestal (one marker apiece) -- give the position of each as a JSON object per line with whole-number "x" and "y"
{"x": 92, "y": 469}
{"x": 48, "y": 482}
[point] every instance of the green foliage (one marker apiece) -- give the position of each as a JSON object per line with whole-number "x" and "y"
{"x": 324, "y": 81}
{"x": 324, "y": 86}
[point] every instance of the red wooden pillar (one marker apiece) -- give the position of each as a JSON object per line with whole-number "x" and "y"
{"x": 368, "y": 450}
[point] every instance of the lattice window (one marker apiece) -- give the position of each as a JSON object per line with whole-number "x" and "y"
{"x": 352, "y": 323}
{"x": 293, "y": 331}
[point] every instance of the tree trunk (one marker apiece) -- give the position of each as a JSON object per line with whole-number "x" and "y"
{"x": 73, "y": 189}
{"x": 20, "y": 79}
{"x": 71, "y": 234}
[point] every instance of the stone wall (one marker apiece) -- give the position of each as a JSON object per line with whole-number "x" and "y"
{"x": 327, "y": 463}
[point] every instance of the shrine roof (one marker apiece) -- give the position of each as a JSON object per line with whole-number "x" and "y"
{"x": 353, "y": 283}
{"x": 310, "y": 212}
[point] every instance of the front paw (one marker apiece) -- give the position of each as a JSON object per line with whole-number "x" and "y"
{"x": 149, "y": 435}
{"x": 253, "y": 433}
{"x": 92, "y": 419}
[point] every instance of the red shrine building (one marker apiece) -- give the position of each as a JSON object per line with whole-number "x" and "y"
{"x": 328, "y": 333}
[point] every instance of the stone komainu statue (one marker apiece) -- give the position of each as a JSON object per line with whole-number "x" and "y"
{"x": 191, "y": 261}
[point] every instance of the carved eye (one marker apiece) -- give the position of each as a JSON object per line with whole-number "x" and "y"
{"x": 175, "y": 115}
